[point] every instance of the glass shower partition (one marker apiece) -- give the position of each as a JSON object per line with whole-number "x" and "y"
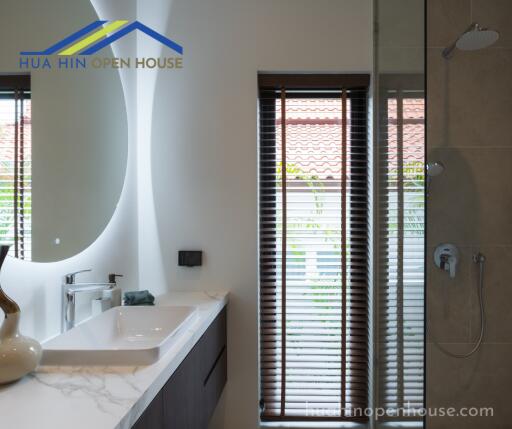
{"x": 399, "y": 202}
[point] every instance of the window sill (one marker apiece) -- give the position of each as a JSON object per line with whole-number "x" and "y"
{"x": 313, "y": 425}
{"x": 399, "y": 425}
{"x": 340, "y": 425}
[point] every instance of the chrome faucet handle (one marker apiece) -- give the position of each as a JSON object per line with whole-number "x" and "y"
{"x": 69, "y": 278}
{"x": 444, "y": 260}
{"x": 447, "y": 257}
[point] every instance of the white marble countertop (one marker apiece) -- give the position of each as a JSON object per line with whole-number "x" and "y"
{"x": 103, "y": 397}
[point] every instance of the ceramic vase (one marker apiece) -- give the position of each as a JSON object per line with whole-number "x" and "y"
{"x": 19, "y": 355}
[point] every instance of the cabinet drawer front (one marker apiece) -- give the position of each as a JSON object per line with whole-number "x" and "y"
{"x": 180, "y": 396}
{"x": 152, "y": 418}
{"x": 215, "y": 384}
{"x": 211, "y": 345}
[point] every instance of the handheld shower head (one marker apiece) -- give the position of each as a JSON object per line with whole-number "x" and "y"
{"x": 434, "y": 169}
{"x": 474, "y": 38}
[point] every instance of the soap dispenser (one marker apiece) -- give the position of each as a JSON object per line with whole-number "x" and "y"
{"x": 115, "y": 293}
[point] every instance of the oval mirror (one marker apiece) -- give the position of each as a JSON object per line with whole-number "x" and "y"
{"x": 63, "y": 135}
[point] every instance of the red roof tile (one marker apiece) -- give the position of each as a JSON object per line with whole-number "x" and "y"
{"x": 313, "y": 134}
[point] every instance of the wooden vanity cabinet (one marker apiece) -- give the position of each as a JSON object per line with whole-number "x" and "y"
{"x": 189, "y": 397}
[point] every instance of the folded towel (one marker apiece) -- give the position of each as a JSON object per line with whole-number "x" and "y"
{"x": 141, "y": 297}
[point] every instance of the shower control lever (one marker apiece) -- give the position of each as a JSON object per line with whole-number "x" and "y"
{"x": 446, "y": 257}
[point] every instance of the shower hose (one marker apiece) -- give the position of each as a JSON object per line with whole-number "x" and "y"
{"x": 480, "y": 260}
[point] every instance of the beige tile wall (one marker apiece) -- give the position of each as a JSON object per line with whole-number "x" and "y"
{"x": 470, "y": 131}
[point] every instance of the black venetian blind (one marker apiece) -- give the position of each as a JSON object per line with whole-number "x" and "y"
{"x": 15, "y": 164}
{"x": 313, "y": 240}
{"x": 401, "y": 291}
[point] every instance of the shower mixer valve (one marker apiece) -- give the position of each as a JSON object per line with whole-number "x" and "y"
{"x": 446, "y": 257}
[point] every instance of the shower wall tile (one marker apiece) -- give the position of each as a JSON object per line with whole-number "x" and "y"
{"x": 398, "y": 59}
{"x": 482, "y": 380}
{"x": 471, "y": 203}
{"x": 496, "y": 15}
{"x": 400, "y": 23}
{"x": 469, "y": 129}
{"x": 449, "y": 300}
{"x": 446, "y": 19}
{"x": 497, "y": 294}
{"x": 469, "y": 99}
{"x": 439, "y": 129}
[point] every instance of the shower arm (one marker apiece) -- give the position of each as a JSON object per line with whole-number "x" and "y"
{"x": 448, "y": 51}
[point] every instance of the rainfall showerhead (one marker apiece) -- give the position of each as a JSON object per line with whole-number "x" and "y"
{"x": 474, "y": 38}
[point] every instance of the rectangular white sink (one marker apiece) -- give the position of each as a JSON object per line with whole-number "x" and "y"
{"x": 119, "y": 336}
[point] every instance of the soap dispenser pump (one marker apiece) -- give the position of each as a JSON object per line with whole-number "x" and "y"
{"x": 115, "y": 294}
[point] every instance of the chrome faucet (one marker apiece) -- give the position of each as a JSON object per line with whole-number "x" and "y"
{"x": 69, "y": 290}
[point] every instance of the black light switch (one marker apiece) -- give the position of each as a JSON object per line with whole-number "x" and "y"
{"x": 190, "y": 258}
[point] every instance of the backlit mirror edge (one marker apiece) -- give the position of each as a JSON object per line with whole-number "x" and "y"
{"x": 129, "y": 168}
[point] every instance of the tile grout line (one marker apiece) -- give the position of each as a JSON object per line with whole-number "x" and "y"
{"x": 490, "y": 48}
{"x": 506, "y": 343}
{"x": 478, "y": 246}
{"x": 471, "y": 147}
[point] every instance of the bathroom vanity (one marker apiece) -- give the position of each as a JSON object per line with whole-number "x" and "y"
{"x": 180, "y": 390}
{"x": 189, "y": 397}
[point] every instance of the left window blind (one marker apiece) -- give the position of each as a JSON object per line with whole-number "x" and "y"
{"x": 313, "y": 241}
{"x": 16, "y": 164}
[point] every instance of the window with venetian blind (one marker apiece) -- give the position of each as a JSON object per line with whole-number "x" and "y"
{"x": 15, "y": 164}
{"x": 313, "y": 241}
{"x": 401, "y": 285}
